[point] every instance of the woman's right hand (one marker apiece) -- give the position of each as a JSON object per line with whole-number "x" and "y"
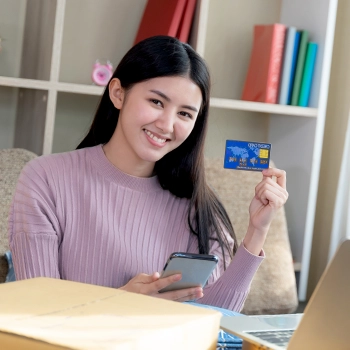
{"x": 152, "y": 284}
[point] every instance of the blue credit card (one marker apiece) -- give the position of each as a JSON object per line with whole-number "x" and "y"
{"x": 247, "y": 155}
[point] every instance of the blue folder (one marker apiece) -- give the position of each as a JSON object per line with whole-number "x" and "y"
{"x": 225, "y": 340}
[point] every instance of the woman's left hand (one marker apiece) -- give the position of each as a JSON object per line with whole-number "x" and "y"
{"x": 270, "y": 195}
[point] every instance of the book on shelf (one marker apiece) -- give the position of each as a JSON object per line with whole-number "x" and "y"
{"x": 287, "y": 65}
{"x": 300, "y": 66}
{"x": 186, "y": 21}
{"x": 294, "y": 64}
{"x": 166, "y": 17}
{"x": 264, "y": 69}
{"x": 308, "y": 72}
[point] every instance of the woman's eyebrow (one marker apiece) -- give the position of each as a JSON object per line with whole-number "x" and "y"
{"x": 161, "y": 94}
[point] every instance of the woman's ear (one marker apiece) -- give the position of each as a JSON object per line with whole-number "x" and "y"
{"x": 116, "y": 93}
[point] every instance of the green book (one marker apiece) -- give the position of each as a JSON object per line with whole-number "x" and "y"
{"x": 300, "y": 67}
{"x": 308, "y": 72}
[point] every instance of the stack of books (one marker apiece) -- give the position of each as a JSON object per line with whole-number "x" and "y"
{"x": 281, "y": 66}
{"x": 166, "y": 17}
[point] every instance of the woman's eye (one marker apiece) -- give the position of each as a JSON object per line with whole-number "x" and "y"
{"x": 185, "y": 114}
{"x": 156, "y": 102}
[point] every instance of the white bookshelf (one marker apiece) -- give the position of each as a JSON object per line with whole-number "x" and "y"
{"x": 296, "y": 133}
{"x": 49, "y": 97}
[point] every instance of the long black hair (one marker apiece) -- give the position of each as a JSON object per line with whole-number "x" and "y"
{"x": 181, "y": 171}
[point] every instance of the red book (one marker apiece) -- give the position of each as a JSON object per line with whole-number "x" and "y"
{"x": 160, "y": 17}
{"x": 264, "y": 70}
{"x": 186, "y": 21}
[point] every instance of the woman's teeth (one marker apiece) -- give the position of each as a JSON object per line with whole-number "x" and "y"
{"x": 155, "y": 138}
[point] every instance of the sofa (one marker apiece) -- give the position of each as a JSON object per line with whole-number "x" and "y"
{"x": 11, "y": 163}
{"x": 273, "y": 289}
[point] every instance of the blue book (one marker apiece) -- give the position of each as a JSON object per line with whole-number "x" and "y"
{"x": 308, "y": 73}
{"x": 293, "y": 66}
{"x": 287, "y": 65}
{"x": 304, "y": 39}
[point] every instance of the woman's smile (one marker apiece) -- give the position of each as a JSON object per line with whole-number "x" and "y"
{"x": 155, "y": 139}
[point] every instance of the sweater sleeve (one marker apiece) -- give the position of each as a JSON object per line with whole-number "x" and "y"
{"x": 229, "y": 289}
{"x": 33, "y": 227}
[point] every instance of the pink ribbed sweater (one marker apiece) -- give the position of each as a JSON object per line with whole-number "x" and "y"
{"x": 75, "y": 216}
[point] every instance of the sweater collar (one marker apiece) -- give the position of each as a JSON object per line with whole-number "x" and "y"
{"x": 109, "y": 171}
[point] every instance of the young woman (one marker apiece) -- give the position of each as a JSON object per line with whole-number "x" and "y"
{"x": 111, "y": 212}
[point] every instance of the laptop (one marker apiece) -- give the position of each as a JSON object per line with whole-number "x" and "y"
{"x": 325, "y": 323}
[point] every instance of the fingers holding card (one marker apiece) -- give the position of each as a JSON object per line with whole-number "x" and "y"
{"x": 278, "y": 174}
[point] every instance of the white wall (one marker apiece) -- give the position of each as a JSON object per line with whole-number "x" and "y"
{"x": 86, "y": 23}
{"x": 74, "y": 110}
{"x": 11, "y": 30}
{"x": 335, "y": 128}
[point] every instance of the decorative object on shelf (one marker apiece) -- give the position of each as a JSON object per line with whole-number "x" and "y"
{"x": 101, "y": 73}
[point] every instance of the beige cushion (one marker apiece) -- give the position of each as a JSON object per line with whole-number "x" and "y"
{"x": 273, "y": 289}
{"x": 11, "y": 164}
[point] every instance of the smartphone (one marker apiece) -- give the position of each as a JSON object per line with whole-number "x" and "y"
{"x": 194, "y": 268}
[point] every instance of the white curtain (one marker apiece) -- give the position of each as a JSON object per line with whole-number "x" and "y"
{"x": 341, "y": 217}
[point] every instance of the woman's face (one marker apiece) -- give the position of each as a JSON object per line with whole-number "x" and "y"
{"x": 156, "y": 116}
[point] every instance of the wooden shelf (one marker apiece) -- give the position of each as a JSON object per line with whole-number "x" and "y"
{"x": 25, "y": 83}
{"x": 80, "y": 88}
{"x": 214, "y": 102}
{"x": 51, "y": 85}
{"x": 263, "y": 107}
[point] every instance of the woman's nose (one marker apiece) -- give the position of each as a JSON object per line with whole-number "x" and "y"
{"x": 165, "y": 122}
